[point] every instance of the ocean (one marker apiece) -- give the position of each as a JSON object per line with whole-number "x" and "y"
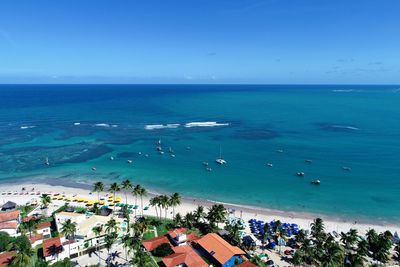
{"x": 92, "y": 132}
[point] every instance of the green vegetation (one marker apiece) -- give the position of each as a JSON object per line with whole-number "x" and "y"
{"x": 162, "y": 250}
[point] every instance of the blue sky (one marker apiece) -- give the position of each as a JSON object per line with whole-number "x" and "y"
{"x": 203, "y": 41}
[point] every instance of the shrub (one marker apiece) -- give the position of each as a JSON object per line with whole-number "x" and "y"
{"x": 163, "y": 250}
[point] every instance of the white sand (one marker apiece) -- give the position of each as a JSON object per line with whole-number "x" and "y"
{"x": 188, "y": 205}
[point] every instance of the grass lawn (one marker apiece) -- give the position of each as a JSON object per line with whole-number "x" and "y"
{"x": 148, "y": 235}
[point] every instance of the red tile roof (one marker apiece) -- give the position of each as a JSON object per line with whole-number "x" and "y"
{"x": 153, "y": 243}
{"x": 184, "y": 254}
{"x": 9, "y": 216}
{"x": 218, "y": 248}
{"x": 43, "y": 225}
{"x": 35, "y": 238}
{"x": 247, "y": 264}
{"x": 6, "y": 258}
{"x": 8, "y": 225}
{"x": 52, "y": 246}
{"x": 175, "y": 232}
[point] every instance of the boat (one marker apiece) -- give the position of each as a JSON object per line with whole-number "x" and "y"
{"x": 161, "y": 152}
{"x": 140, "y": 153}
{"x": 270, "y": 164}
{"x": 159, "y": 148}
{"x": 111, "y": 158}
{"x": 208, "y": 169}
{"x": 94, "y": 169}
{"x": 301, "y": 174}
{"x": 316, "y": 182}
{"x": 158, "y": 143}
{"x": 47, "y": 161}
{"x": 170, "y": 150}
{"x": 205, "y": 163}
{"x": 129, "y": 161}
{"x": 173, "y": 155}
{"x": 220, "y": 160}
{"x": 346, "y": 168}
{"x": 280, "y": 151}
{"x": 308, "y": 161}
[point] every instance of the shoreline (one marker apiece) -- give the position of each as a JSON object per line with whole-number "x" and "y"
{"x": 189, "y": 204}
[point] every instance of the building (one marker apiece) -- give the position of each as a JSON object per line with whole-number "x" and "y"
{"x": 36, "y": 239}
{"x": 6, "y": 258}
{"x": 247, "y": 264}
{"x": 9, "y": 205}
{"x": 9, "y": 221}
{"x": 220, "y": 252}
{"x": 44, "y": 228}
{"x": 53, "y": 249}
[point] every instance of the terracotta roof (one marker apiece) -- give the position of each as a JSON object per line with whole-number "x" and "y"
{"x": 43, "y": 225}
{"x": 184, "y": 254}
{"x": 6, "y": 257}
{"x": 151, "y": 244}
{"x": 8, "y": 225}
{"x": 247, "y": 264}
{"x": 175, "y": 232}
{"x": 9, "y": 215}
{"x": 35, "y": 238}
{"x": 52, "y": 246}
{"x": 28, "y": 218}
{"x": 218, "y": 248}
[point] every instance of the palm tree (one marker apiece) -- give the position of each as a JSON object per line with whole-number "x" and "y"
{"x": 45, "y": 200}
{"x": 333, "y": 255}
{"x": 141, "y": 259}
{"x": 178, "y": 220}
{"x": 109, "y": 242}
{"x": 188, "y": 220}
{"x": 114, "y": 188}
{"x": 216, "y": 214}
{"x": 97, "y": 230}
{"x": 317, "y": 229}
{"x": 142, "y": 193}
{"x": 174, "y": 201}
{"x": 98, "y": 187}
{"x": 24, "y": 252}
{"x": 136, "y": 192}
{"x": 199, "y": 213}
{"x": 111, "y": 226}
{"x": 164, "y": 203}
{"x": 126, "y": 243}
{"x": 29, "y": 225}
{"x": 126, "y": 185}
{"x": 69, "y": 229}
{"x": 154, "y": 203}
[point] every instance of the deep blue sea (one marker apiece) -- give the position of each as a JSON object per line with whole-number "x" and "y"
{"x": 80, "y": 127}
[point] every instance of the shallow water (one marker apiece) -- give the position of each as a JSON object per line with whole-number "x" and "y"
{"x": 80, "y": 127}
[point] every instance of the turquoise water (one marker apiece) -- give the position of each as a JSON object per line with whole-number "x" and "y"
{"x": 335, "y": 126}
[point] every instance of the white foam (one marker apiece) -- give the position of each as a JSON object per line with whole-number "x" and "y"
{"x": 77, "y": 123}
{"x": 27, "y": 127}
{"x": 346, "y": 127}
{"x": 161, "y": 126}
{"x": 205, "y": 124}
{"x": 343, "y": 90}
{"x": 102, "y": 125}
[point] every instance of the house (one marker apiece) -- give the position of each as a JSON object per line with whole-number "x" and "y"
{"x": 184, "y": 256}
{"x": 219, "y": 251}
{"x": 178, "y": 236}
{"x": 155, "y": 242}
{"x": 9, "y": 205}
{"x": 36, "y": 239}
{"x": 44, "y": 229}
{"x": 9, "y": 221}
{"x": 247, "y": 264}
{"x": 6, "y": 258}
{"x": 53, "y": 249}
{"x": 63, "y": 216}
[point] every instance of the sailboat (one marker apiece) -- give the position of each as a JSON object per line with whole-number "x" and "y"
{"x": 47, "y": 161}
{"x": 220, "y": 160}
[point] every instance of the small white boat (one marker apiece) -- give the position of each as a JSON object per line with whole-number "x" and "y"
{"x": 316, "y": 182}
{"x": 205, "y": 163}
{"x": 158, "y": 142}
{"x": 94, "y": 169}
{"x": 111, "y": 158}
{"x": 280, "y": 151}
{"x": 270, "y": 164}
{"x": 308, "y": 161}
{"x": 173, "y": 155}
{"x": 220, "y": 160}
{"x": 208, "y": 169}
{"x": 159, "y": 148}
{"x": 129, "y": 161}
{"x": 346, "y": 169}
{"x": 47, "y": 161}
{"x": 161, "y": 152}
{"x": 140, "y": 153}
{"x": 301, "y": 174}
{"x": 170, "y": 150}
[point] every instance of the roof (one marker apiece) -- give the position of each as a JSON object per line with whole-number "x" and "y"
{"x": 6, "y": 257}
{"x": 9, "y": 205}
{"x": 8, "y": 225}
{"x": 175, "y": 232}
{"x": 184, "y": 254}
{"x": 9, "y": 215}
{"x": 43, "y": 225}
{"x": 153, "y": 243}
{"x": 218, "y": 248}
{"x": 52, "y": 246}
{"x": 35, "y": 238}
{"x": 247, "y": 264}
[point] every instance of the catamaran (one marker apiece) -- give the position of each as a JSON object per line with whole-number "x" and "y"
{"x": 220, "y": 160}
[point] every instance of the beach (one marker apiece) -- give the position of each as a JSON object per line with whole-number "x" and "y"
{"x": 32, "y": 192}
